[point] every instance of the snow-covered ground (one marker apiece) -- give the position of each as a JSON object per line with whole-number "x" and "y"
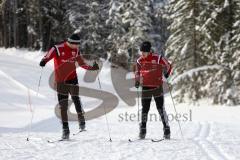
{"x": 210, "y": 132}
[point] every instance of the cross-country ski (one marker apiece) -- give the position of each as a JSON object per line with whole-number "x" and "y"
{"x": 80, "y": 131}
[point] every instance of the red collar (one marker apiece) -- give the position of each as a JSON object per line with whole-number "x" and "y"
{"x": 149, "y": 56}
{"x": 66, "y": 45}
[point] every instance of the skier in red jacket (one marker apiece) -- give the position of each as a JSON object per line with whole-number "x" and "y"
{"x": 149, "y": 70}
{"x": 65, "y": 56}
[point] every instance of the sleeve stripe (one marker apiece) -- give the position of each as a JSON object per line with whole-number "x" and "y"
{"x": 58, "y": 53}
{"x": 138, "y": 61}
{"x": 159, "y": 58}
{"x": 167, "y": 64}
{"x": 164, "y": 60}
{"x": 50, "y": 52}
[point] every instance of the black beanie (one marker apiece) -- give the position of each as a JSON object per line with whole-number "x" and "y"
{"x": 74, "y": 39}
{"x": 145, "y": 46}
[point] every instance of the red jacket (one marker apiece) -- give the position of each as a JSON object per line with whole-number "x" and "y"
{"x": 64, "y": 62}
{"x": 149, "y": 70}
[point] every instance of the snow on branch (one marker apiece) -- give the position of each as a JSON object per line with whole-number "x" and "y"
{"x": 190, "y": 72}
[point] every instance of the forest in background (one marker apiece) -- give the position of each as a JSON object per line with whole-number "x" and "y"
{"x": 200, "y": 37}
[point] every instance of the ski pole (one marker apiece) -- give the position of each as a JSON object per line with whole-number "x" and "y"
{"x": 39, "y": 82}
{"x": 138, "y": 104}
{"x": 32, "y": 110}
{"x": 175, "y": 108}
{"x": 105, "y": 114}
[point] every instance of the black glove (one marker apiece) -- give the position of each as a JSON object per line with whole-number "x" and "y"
{"x": 42, "y": 63}
{"x": 166, "y": 76}
{"x": 95, "y": 66}
{"x": 137, "y": 84}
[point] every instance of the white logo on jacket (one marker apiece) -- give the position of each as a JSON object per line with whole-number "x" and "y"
{"x": 154, "y": 61}
{"x": 74, "y": 53}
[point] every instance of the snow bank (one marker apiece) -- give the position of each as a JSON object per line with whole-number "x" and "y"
{"x": 23, "y": 53}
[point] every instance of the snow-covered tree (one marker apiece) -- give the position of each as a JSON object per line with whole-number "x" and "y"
{"x": 201, "y": 35}
{"x": 88, "y": 17}
{"x": 131, "y": 23}
{"x": 160, "y": 32}
{"x": 184, "y": 47}
{"x": 34, "y": 24}
{"x": 54, "y": 21}
{"x": 224, "y": 87}
{"x": 236, "y": 49}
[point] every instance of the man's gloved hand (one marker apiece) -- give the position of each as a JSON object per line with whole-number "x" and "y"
{"x": 95, "y": 66}
{"x": 166, "y": 75}
{"x": 42, "y": 63}
{"x": 137, "y": 84}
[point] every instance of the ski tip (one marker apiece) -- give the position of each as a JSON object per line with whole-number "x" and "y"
{"x": 157, "y": 140}
{"x": 74, "y": 134}
{"x": 50, "y": 141}
{"x": 59, "y": 140}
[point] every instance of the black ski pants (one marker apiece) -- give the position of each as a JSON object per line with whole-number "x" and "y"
{"x": 157, "y": 94}
{"x": 64, "y": 89}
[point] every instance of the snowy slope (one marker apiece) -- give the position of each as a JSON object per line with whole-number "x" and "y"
{"x": 211, "y": 134}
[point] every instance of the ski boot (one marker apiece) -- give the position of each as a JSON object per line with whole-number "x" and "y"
{"x": 81, "y": 120}
{"x": 82, "y": 125}
{"x": 143, "y": 131}
{"x": 65, "y": 134}
{"x": 167, "y": 133}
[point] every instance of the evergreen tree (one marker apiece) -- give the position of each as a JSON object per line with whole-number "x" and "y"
{"x": 201, "y": 33}
{"x": 1, "y": 24}
{"x": 204, "y": 41}
{"x": 8, "y": 24}
{"x": 33, "y": 24}
{"x": 132, "y": 23}
{"x": 160, "y": 23}
{"x": 235, "y": 47}
{"x": 88, "y": 18}
{"x": 184, "y": 47}
{"x": 223, "y": 86}
{"x": 54, "y": 22}
{"x": 236, "y": 44}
